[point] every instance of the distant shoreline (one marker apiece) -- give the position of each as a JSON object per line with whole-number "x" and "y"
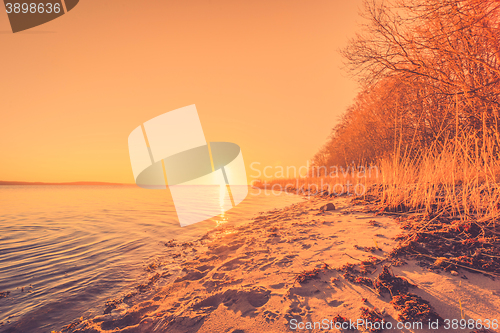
{"x": 11, "y": 183}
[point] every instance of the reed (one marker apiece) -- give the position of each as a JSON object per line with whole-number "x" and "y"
{"x": 459, "y": 176}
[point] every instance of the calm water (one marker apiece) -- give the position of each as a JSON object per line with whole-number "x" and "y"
{"x": 78, "y": 246}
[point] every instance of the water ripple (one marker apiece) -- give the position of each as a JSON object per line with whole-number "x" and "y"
{"x": 73, "y": 247}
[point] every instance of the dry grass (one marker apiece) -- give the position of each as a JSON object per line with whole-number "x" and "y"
{"x": 460, "y": 177}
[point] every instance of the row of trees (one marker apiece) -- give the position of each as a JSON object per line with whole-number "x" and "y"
{"x": 429, "y": 69}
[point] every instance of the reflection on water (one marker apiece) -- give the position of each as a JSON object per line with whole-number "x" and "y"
{"x": 222, "y": 217}
{"x": 73, "y": 247}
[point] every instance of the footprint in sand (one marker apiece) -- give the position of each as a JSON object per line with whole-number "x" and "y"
{"x": 218, "y": 276}
{"x": 335, "y": 303}
{"x": 232, "y": 264}
{"x": 296, "y": 310}
{"x": 277, "y": 286}
{"x": 286, "y": 260}
{"x": 270, "y": 316}
{"x": 195, "y": 273}
{"x": 244, "y": 301}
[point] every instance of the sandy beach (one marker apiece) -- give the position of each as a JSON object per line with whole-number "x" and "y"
{"x": 301, "y": 268}
{"x": 135, "y": 135}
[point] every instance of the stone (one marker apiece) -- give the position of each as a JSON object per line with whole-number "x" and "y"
{"x": 327, "y": 207}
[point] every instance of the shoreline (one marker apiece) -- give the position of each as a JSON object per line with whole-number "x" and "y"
{"x": 269, "y": 273}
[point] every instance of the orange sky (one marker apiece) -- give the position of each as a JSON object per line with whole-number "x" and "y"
{"x": 265, "y": 75}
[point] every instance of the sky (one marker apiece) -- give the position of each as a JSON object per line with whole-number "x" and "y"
{"x": 263, "y": 74}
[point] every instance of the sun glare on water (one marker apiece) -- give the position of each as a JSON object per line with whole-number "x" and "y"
{"x": 223, "y": 219}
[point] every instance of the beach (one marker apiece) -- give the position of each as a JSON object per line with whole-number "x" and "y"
{"x": 250, "y": 166}
{"x": 65, "y": 250}
{"x": 301, "y": 268}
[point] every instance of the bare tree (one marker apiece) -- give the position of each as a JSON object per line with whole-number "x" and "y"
{"x": 428, "y": 69}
